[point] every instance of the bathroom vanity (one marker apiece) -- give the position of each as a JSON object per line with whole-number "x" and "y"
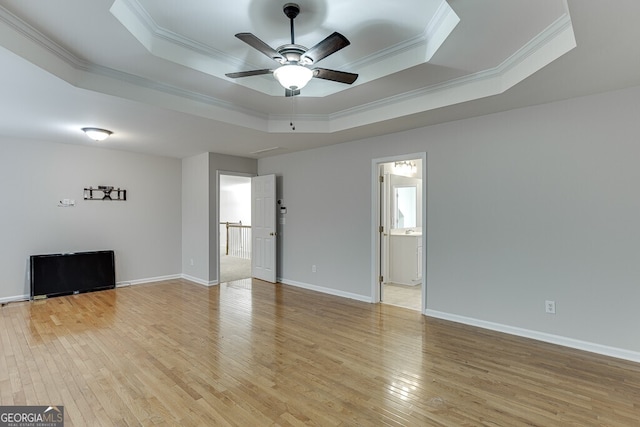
{"x": 405, "y": 257}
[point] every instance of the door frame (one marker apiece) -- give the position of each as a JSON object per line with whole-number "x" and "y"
{"x": 217, "y": 215}
{"x": 376, "y": 220}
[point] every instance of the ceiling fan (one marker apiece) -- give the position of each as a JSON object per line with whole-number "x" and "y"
{"x": 294, "y": 72}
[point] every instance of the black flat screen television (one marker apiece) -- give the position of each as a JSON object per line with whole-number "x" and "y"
{"x": 71, "y": 273}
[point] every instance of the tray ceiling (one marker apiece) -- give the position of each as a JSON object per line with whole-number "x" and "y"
{"x": 412, "y": 57}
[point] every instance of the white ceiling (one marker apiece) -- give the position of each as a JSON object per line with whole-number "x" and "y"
{"x": 152, "y": 71}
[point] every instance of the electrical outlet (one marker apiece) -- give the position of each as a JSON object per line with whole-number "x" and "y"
{"x": 550, "y": 307}
{"x": 314, "y": 268}
{"x": 191, "y": 261}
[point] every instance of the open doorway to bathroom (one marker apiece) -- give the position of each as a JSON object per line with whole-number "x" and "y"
{"x": 400, "y": 240}
{"x": 234, "y": 227}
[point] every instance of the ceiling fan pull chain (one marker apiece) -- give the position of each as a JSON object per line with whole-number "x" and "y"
{"x": 293, "y": 112}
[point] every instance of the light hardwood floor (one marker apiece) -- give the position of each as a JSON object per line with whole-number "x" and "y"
{"x": 252, "y": 354}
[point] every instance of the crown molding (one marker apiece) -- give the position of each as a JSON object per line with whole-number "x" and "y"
{"x": 423, "y": 45}
{"x": 553, "y": 42}
{"x": 27, "y": 42}
{"x": 134, "y": 17}
{"x": 36, "y": 38}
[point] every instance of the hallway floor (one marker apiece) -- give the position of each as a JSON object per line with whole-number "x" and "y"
{"x": 234, "y": 268}
{"x": 403, "y": 295}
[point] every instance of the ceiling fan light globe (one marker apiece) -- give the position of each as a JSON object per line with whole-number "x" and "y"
{"x": 293, "y": 77}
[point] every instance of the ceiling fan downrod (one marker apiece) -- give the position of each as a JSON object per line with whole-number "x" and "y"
{"x": 291, "y": 10}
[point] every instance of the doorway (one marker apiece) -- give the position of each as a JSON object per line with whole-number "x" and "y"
{"x": 234, "y": 235}
{"x": 400, "y": 213}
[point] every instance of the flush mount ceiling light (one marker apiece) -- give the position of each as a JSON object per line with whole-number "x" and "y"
{"x": 97, "y": 134}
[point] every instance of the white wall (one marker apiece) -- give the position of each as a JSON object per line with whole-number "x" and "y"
{"x": 327, "y": 196}
{"x": 144, "y": 231}
{"x": 523, "y": 206}
{"x": 195, "y": 218}
{"x": 200, "y": 212}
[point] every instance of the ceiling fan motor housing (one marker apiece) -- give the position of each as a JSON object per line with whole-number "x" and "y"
{"x": 292, "y": 52}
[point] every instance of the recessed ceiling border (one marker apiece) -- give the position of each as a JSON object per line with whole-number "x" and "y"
{"x": 27, "y": 42}
{"x": 555, "y": 41}
{"x": 176, "y": 48}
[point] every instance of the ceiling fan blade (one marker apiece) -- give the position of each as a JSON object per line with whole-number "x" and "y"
{"x": 258, "y": 44}
{"x": 336, "y": 76}
{"x": 326, "y": 47}
{"x": 289, "y": 92}
{"x": 248, "y": 73}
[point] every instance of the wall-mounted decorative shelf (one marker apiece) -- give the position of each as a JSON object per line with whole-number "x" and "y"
{"x": 105, "y": 192}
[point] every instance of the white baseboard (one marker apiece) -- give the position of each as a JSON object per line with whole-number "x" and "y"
{"x": 163, "y": 278}
{"x": 147, "y": 280}
{"x": 604, "y": 350}
{"x": 198, "y": 281}
{"x": 15, "y": 298}
{"x": 324, "y": 290}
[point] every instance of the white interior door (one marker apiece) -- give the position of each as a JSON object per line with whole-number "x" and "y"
{"x": 263, "y": 227}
